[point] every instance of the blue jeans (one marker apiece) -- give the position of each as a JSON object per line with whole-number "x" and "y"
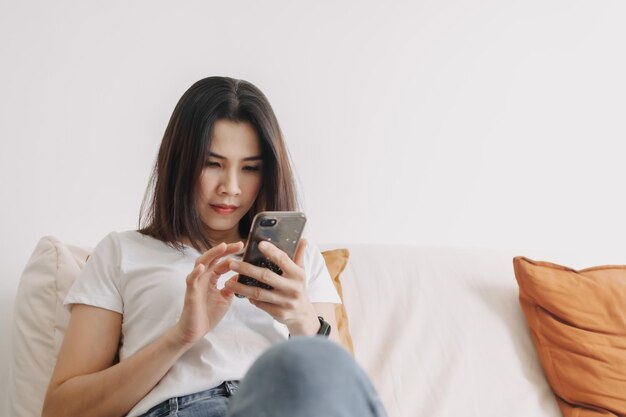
{"x": 302, "y": 377}
{"x": 210, "y": 403}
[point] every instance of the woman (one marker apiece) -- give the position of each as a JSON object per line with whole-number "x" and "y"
{"x": 155, "y": 329}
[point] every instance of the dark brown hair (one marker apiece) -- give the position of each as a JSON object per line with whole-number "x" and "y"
{"x": 168, "y": 211}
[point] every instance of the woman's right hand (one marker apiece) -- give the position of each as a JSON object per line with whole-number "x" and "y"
{"x": 205, "y": 305}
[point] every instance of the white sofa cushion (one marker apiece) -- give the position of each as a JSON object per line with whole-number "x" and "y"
{"x": 40, "y": 321}
{"x": 441, "y": 332}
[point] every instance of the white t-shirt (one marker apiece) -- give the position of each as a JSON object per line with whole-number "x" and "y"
{"x": 143, "y": 279}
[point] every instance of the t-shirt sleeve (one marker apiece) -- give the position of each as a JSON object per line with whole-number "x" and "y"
{"x": 319, "y": 283}
{"x": 98, "y": 283}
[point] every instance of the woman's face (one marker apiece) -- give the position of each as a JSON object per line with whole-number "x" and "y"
{"x": 230, "y": 180}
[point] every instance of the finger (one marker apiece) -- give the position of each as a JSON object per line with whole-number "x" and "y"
{"x": 269, "y": 308}
{"x": 192, "y": 278}
{"x": 213, "y": 277}
{"x": 227, "y": 292}
{"x": 222, "y": 267}
{"x": 282, "y": 260}
{"x": 260, "y": 274}
{"x": 229, "y": 251}
{"x": 231, "y": 248}
{"x": 205, "y": 277}
{"x": 213, "y": 255}
{"x": 252, "y": 292}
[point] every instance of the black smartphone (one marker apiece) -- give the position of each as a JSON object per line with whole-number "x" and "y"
{"x": 281, "y": 228}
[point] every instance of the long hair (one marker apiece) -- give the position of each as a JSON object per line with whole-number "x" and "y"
{"x": 168, "y": 211}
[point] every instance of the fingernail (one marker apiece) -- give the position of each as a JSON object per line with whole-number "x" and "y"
{"x": 263, "y": 244}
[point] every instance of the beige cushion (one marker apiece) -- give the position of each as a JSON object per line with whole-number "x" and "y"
{"x": 40, "y": 321}
{"x": 441, "y": 334}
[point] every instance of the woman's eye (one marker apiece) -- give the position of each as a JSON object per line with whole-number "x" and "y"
{"x": 211, "y": 164}
{"x": 252, "y": 168}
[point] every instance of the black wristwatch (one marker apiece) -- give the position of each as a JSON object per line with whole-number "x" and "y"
{"x": 324, "y": 327}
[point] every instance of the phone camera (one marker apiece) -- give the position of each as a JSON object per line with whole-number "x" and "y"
{"x": 268, "y": 222}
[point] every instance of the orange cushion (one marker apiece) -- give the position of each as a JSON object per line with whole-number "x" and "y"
{"x": 336, "y": 261}
{"x": 578, "y": 325}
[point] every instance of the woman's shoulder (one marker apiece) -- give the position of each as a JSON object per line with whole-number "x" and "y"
{"x": 119, "y": 239}
{"x": 133, "y": 238}
{"x": 129, "y": 243}
{"x": 137, "y": 247}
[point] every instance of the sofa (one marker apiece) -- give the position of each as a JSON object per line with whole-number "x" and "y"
{"x": 439, "y": 330}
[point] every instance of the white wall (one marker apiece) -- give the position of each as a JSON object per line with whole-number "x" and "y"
{"x": 441, "y": 122}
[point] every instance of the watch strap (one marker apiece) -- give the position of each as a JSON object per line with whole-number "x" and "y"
{"x": 324, "y": 327}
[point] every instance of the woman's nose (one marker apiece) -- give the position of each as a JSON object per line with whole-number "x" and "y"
{"x": 230, "y": 184}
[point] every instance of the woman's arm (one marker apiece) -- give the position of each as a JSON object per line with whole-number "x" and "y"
{"x": 85, "y": 381}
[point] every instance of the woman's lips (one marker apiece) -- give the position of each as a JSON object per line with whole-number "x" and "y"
{"x": 222, "y": 209}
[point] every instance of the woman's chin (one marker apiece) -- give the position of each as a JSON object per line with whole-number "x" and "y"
{"x": 222, "y": 226}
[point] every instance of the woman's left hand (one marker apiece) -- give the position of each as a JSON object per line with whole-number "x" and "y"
{"x": 288, "y": 301}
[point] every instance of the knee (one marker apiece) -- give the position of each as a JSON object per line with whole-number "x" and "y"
{"x": 309, "y": 374}
{"x": 308, "y": 360}
{"x": 307, "y": 355}
{"x": 291, "y": 371}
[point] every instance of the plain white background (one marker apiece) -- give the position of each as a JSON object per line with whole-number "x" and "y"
{"x": 435, "y": 122}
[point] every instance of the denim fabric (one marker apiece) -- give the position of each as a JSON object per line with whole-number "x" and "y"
{"x": 306, "y": 377}
{"x": 301, "y": 377}
{"x": 210, "y": 403}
